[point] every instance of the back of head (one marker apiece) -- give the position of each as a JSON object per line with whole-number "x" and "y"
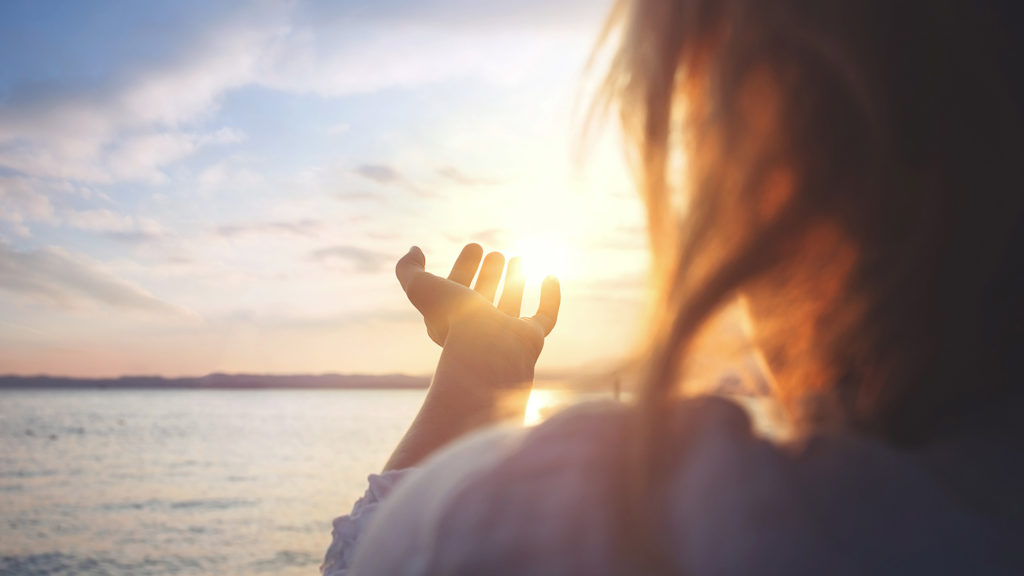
{"x": 854, "y": 169}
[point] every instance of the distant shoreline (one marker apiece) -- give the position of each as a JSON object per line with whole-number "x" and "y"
{"x": 552, "y": 379}
{"x": 222, "y": 382}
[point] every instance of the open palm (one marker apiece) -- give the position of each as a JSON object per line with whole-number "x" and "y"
{"x": 450, "y": 302}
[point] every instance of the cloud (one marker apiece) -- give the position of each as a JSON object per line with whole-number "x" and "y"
{"x": 133, "y": 122}
{"x": 379, "y": 173}
{"x": 54, "y": 276}
{"x": 96, "y": 159}
{"x": 488, "y": 237}
{"x": 321, "y": 321}
{"x": 305, "y": 227}
{"x": 138, "y": 117}
{"x": 72, "y": 190}
{"x": 366, "y": 261}
{"x": 21, "y": 203}
{"x": 221, "y": 177}
{"x": 141, "y": 159}
{"x": 461, "y": 14}
{"x": 386, "y": 175}
{"x": 115, "y": 225}
{"x": 454, "y": 175}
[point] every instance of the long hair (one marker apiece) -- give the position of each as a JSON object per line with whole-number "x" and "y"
{"x": 854, "y": 171}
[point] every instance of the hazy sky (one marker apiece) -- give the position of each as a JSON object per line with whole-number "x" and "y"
{"x": 188, "y": 187}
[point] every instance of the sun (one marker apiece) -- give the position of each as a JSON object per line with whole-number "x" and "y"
{"x": 545, "y": 255}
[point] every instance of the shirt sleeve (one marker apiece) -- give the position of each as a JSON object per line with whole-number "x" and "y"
{"x": 348, "y": 528}
{"x": 400, "y": 541}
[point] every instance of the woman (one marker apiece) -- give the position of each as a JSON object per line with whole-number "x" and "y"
{"x": 852, "y": 173}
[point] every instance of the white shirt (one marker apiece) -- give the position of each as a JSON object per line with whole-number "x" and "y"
{"x": 539, "y": 501}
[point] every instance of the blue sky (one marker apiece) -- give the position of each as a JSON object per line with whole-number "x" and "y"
{"x": 188, "y": 187}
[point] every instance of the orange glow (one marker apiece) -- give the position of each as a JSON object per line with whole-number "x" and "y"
{"x": 545, "y": 254}
{"x": 542, "y": 403}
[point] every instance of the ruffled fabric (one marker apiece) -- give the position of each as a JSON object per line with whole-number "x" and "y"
{"x": 347, "y": 529}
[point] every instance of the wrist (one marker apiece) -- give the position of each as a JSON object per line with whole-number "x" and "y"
{"x": 485, "y": 374}
{"x": 502, "y": 350}
{"x": 479, "y": 374}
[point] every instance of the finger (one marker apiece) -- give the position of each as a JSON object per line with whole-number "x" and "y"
{"x": 512, "y": 292}
{"x": 409, "y": 266}
{"x": 550, "y": 300}
{"x": 423, "y": 289}
{"x": 490, "y": 275}
{"x": 466, "y": 264}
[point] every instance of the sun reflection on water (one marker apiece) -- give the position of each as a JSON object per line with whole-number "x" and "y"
{"x": 543, "y": 403}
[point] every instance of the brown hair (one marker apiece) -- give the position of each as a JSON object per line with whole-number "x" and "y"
{"x": 856, "y": 168}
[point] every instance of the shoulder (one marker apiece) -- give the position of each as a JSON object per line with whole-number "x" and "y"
{"x": 548, "y": 499}
{"x": 551, "y": 503}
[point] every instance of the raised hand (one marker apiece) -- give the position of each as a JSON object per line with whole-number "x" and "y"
{"x": 448, "y": 304}
{"x": 485, "y": 372}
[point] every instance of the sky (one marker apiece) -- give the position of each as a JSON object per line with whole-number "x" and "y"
{"x": 191, "y": 187}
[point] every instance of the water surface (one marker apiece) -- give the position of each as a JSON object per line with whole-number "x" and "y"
{"x": 193, "y": 482}
{"x": 185, "y": 481}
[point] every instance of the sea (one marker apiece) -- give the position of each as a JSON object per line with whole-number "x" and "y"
{"x": 113, "y": 482}
{"x": 188, "y": 482}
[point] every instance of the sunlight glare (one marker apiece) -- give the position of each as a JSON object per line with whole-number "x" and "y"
{"x": 542, "y": 403}
{"x": 545, "y": 255}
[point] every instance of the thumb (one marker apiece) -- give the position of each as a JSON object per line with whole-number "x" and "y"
{"x": 423, "y": 289}
{"x": 410, "y": 266}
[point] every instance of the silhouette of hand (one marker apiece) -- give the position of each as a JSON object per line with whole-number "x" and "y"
{"x": 450, "y": 305}
{"x": 485, "y": 371}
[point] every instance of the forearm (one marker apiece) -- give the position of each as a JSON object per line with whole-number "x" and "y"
{"x": 472, "y": 387}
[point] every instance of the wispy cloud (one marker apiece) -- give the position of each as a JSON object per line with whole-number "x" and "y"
{"x": 129, "y": 124}
{"x": 305, "y": 227}
{"x": 387, "y": 175}
{"x": 115, "y": 225}
{"x": 57, "y": 277}
{"x": 221, "y": 177}
{"x": 379, "y": 173}
{"x": 21, "y": 203}
{"x": 363, "y": 260}
{"x": 330, "y": 322}
{"x": 136, "y": 120}
{"x": 453, "y": 174}
{"x": 488, "y": 237}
